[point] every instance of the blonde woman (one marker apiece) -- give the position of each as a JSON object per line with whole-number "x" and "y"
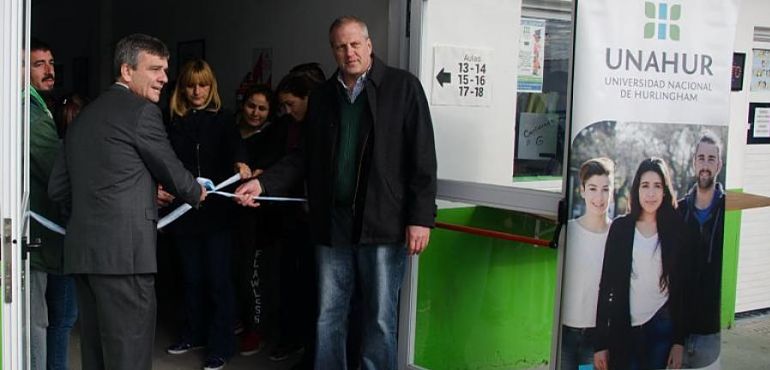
{"x": 206, "y": 140}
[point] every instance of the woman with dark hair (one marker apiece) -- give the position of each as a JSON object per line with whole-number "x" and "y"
{"x": 298, "y": 277}
{"x": 639, "y": 320}
{"x": 205, "y": 140}
{"x": 67, "y": 110}
{"x": 263, "y": 141}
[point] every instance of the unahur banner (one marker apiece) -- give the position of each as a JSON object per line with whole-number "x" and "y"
{"x": 650, "y": 107}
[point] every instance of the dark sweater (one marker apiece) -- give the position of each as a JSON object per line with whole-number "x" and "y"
{"x": 348, "y": 146}
{"x": 208, "y": 145}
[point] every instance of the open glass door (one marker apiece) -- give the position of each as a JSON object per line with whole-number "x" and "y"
{"x": 14, "y": 184}
{"x": 495, "y": 74}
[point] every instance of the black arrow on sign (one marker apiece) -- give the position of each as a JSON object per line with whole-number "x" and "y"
{"x": 443, "y": 77}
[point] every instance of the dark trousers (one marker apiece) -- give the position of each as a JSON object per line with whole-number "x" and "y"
{"x": 651, "y": 342}
{"x": 255, "y": 234}
{"x": 117, "y": 321}
{"x": 577, "y": 347}
{"x": 298, "y": 285}
{"x": 208, "y": 292}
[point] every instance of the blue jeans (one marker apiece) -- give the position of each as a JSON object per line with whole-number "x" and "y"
{"x": 379, "y": 270}
{"x": 651, "y": 342}
{"x": 701, "y": 350}
{"x": 53, "y": 311}
{"x": 577, "y": 347}
{"x": 62, "y": 314}
{"x": 208, "y": 291}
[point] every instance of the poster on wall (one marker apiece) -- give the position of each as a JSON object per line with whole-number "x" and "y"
{"x": 760, "y": 70}
{"x": 531, "y": 55}
{"x": 758, "y": 130}
{"x": 646, "y": 184}
{"x": 461, "y": 76}
{"x": 739, "y": 59}
{"x": 261, "y": 72}
{"x": 262, "y": 66}
{"x": 537, "y": 135}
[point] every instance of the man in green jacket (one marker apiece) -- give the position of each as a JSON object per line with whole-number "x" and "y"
{"x": 53, "y": 307}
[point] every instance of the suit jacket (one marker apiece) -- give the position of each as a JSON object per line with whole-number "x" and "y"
{"x": 112, "y": 156}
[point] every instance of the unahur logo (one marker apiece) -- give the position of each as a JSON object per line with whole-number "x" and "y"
{"x": 662, "y": 16}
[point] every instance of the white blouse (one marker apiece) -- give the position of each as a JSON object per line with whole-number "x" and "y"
{"x": 645, "y": 295}
{"x": 582, "y": 271}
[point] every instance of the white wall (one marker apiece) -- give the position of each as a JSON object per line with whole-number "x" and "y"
{"x": 296, "y": 30}
{"x": 474, "y": 143}
{"x": 749, "y": 168}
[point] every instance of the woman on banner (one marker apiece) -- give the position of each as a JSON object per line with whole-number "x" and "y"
{"x": 586, "y": 237}
{"x": 205, "y": 139}
{"x": 639, "y": 320}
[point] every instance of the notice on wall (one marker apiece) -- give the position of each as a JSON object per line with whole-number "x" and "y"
{"x": 461, "y": 76}
{"x": 762, "y": 123}
{"x": 537, "y": 135}
{"x": 531, "y": 55}
{"x": 760, "y": 70}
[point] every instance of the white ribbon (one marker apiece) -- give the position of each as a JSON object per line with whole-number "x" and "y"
{"x": 179, "y": 211}
{"x": 209, "y": 185}
{"x": 48, "y": 224}
{"x": 276, "y": 199}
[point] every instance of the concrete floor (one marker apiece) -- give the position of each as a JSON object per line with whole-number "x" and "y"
{"x": 192, "y": 360}
{"x": 746, "y": 346}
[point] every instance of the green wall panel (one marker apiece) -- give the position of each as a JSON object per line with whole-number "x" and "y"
{"x": 730, "y": 266}
{"x": 485, "y": 303}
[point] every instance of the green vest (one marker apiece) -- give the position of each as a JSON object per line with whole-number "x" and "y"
{"x": 348, "y": 148}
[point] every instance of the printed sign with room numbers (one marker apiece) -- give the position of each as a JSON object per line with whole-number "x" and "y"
{"x": 461, "y": 76}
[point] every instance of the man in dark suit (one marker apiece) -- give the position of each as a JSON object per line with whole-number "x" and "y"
{"x": 113, "y": 154}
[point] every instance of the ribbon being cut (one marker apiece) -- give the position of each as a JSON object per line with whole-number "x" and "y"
{"x": 179, "y": 211}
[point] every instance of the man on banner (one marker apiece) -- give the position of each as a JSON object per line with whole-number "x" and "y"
{"x": 702, "y": 209}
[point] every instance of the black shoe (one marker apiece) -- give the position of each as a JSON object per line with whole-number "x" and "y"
{"x": 214, "y": 363}
{"x": 182, "y": 347}
{"x": 283, "y": 352}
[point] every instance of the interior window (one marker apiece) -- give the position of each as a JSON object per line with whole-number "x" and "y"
{"x": 541, "y": 111}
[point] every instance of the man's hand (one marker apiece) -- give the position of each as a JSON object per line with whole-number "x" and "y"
{"x": 601, "y": 360}
{"x": 244, "y": 170}
{"x": 203, "y": 193}
{"x": 675, "y": 357}
{"x": 245, "y": 193}
{"x": 163, "y": 197}
{"x": 417, "y": 238}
